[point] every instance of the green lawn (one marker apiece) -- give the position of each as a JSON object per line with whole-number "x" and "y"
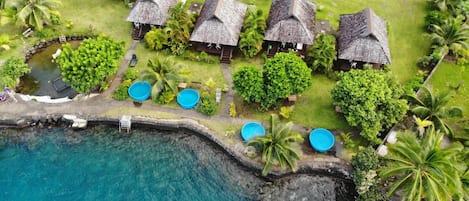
{"x": 449, "y": 74}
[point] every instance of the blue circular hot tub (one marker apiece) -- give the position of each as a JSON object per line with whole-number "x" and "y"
{"x": 188, "y": 98}
{"x": 140, "y": 91}
{"x": 252, "y": 129}
{"x": 321, "y": 139}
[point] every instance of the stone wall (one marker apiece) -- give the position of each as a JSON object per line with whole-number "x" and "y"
{"x": 39, "y": 47}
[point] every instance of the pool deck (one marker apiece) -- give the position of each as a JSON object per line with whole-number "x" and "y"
{"x": 97, "y": 108}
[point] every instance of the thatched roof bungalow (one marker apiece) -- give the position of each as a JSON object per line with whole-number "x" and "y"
{"x": 148, "y": 13}
{"x": 363, "y": 39}
{"x": 218, "y": 27}
{"x": 290, "y": 25}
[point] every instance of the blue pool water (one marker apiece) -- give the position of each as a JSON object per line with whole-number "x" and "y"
{"x": 101, "y": 164}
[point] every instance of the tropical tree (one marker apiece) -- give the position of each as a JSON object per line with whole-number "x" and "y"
{"x": 369, "y": 100}
{"x": 156, "y": 39}
{"x": 89, "y": 66}
{"x": 433, "y": 107}
{"x": 178, "y": 27}
{"x": 422, "y": 169}
{"x": 284, "y": 74}
{"x": 365, "y": 163}
{"x": 36, "y": 13}
{"x": 280, "y": 146}
{"x": 452, "y": 34}
{"x": 248, "y": 84}
{"x": 252, "y": 35}
{"x": 321, "y": 56}
{"x": 164, "y": 75}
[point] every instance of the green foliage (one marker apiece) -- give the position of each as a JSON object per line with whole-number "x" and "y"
{"x": 36, "y": 13}
{"x": 11, "y": 71}
{"x": 284, "y": 74}
{"x": 91, "y": 63}
{"x": 248, "y": 84}
{"x": 207, "y": 105}
{"x": 5, "y": 42}
{"x": 421, "y": 168}
{"x": 45, "y": 33}
{"x": 279, "y": 146}
{"x": 122, "y": 91}
{"x": 365, "y": 163}
{"x": 232, "y": 110}
{"x": 55, "y": 19}
{"x": 433, "y": 107}
{"x": 252, "y": 35}
{"x": 68, "y": 24}
{"x": 365, "y": 159}
{"x": 348, "y": 142}
{"x": 369, "y": 100}
{"x": 163, "y": 75}
{"x": 2, "y": 4}
{"x": 285, "y": 111}
{"x": 179, "y": 27}
{"x": 434, "y": 18}
{"x": 156, "y": 39}
{"x": 321, "y": 56}
{"x": 414, "y": 84}
{"x": 452, "y": 34}
{"x": 165, "y": 97}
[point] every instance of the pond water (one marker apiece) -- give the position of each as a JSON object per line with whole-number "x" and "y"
{"x": 43, "y": 73}
{"x": 102, "y": 164}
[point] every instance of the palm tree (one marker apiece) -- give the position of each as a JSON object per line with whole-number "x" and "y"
{"x": 36, "y": 13}
{"x": 322, "y": 55}
{"x": 422, "y": 169}
{"x": 280, "y": 146}
{"x": 163, "y": 75}
{"x": 453, "y": 34}
{"x": 429, "y": 106}
{"x": 179, "y": 27}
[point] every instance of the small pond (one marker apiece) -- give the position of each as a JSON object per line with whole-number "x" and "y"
{"x": 100, "y": 163}
{"x": 44, "y": 73}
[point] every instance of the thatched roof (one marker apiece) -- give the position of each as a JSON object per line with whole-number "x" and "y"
{"x": 291, "y": 21}
{"x": 220, "y": 22}
{"x": 152, "y": 12}
{"x": 363, "y": 37}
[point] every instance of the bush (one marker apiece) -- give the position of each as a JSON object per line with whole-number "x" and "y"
{"x": 321, "y": 56}
{"x": 11, "y": 71}
{"x": 55, "y": 19}
{"x": 365, "y": 163}
{"x": 156, "y": 39}
{"x": 232, "y": 110}
{"x": 130, "y": 74}
{"x": 370, "y": 100}
{"x": 207, "y": 105}
{"x": 248, "y": 84}
{"x": 122, "y": 91}
{"x": 46, "y": 33}
{"x": 165, "y": 97}
{"x": 434, "y": 18}
{"x": 414, "y": 84}
{"x": 286, "y": 111}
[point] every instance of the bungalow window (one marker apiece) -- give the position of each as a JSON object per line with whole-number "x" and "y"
{"x": 218, "y": 46}
{"x": 137, "y": 25}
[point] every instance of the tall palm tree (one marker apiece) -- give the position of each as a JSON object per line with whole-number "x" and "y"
{"x": 453, "y": 34}
{"x": 36, "y": 13}
{"x": 432, "y": 107}
{"x": 179, "y": 26}
{"x": 163, "y": 75}
{"x": 422, "y": 169}
{"x": 280, "y": 146}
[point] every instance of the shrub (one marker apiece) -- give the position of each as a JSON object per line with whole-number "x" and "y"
{"x": 130, "y": 74}
{"x": 285, "y": 111}
{"x": 370, "y": 101}
{"x": 11, "y": 71}
{"x": 232, "y": 110}
{"x": 434, "y": 18}
{"x": 165, "y": 97}
{"x": 207, "y": 105}
{"x": 348, "y": 142}
{"x": 156, "y": 39}
{"x": 321, "y": 56}
{"x": 122, "y": 91}
{"x": 248, "y": 84}
{"x": 55, "y": 19}
{"x": 365, "y": 163}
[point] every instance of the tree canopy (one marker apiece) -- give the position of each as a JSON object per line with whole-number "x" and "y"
{"x": 322, "y": 54}
{"x": 369, "y": 100}
{"x": 252, "y": 35}
{"x": 282, "y": 76}
{"x": 36, "y": 13}
{"x": 11, "y": 71}
{"x": 91, "y": 63}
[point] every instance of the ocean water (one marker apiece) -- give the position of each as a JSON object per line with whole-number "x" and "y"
{"x": 102, "y": 164}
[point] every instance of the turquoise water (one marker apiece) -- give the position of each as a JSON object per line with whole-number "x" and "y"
{"x": 101, "y": 164}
